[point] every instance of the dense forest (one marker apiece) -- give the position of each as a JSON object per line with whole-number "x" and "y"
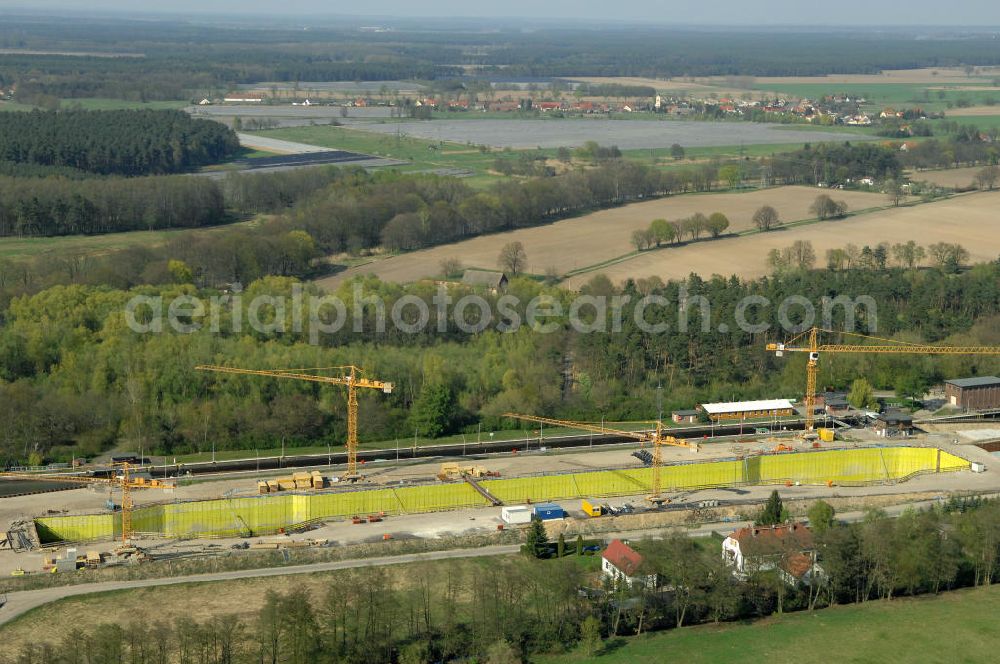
{"x": 512, "y": 610}
{"x": 56, "y": 206}
{"x": 170, "y": 60}
{"x": 143, "y": 142}
{"x": 75, "y": 380}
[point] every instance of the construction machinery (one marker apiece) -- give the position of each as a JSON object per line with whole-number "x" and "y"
{"x": 655, "y": 436}
{"x": 122, "y": 479}
{"x": 891, "y": 346}
{"x": 350, "y": 376}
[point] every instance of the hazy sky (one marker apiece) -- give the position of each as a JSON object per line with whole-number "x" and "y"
{"x": 678, "y": 12}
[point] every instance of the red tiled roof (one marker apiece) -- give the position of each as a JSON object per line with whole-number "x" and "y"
{"x": 765, "y": 540}
{"x": 622, "y": 556}
{"x": 797, "y": 564}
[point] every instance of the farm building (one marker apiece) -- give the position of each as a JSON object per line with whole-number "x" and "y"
{"x": 494, "y": 281}
{"x": 893, "y": 423}
{"x": 745, "y": 410}
{"x": 979, "y": 393}
{"x": 788, "y": 548}
{"x": 244, "y": 98}
{"x": 684, "y": 416}
{"x": 621, "y": 564}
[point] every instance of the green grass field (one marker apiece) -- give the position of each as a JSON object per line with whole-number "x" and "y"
{"x": 984, "y": 122}
{"x": 99, "y": 104}
{"x": 421, "y": 155}
{"x": 952, "y": 627}
{"x": 886, "y": 94}
{"x": 93, "y": 245}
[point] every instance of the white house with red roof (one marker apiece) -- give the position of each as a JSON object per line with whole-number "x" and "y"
{"x": 789, "y": 548}
{"x": 622, "y": 564}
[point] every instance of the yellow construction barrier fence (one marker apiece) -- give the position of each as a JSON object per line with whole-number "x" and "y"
{"x": 267, "y": 514}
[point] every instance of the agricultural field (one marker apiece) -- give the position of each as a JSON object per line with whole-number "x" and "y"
{"x": 98, "y": 104}
{"x": 969, "y": 220}
{"x": 974, "y": 113}
{"x": 94, "y": 245}
{"x": 420, "y": 155}
{"x": 917, "y": 630}
{"x": 626, "y": 134}
{"x": 604, "y": 235}
{"x": 948, "y": 177}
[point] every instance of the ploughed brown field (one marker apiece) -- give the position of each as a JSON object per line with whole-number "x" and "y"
{"x": 948, "y": 177}
{"x": 970, "y": 220}
{"x": 601, "y": 236}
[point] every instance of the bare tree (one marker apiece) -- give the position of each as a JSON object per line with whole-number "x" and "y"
{"x": 987, "y": 178}
{"x": 894, "y": 190}
{"x": 513, "y": 257}
{"x": 451, "y": 267}
{"x": 766, "y": 218}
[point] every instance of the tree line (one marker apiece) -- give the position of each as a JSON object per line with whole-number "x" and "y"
{"x": 141, "y": 391}
{"x": 514, "y": 609}
{"x": 662, "y": 232}
{"x": 130, "y": 143}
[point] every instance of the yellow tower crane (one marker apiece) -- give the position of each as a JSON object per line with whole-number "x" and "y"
{"x": 122, "y": 480}
{"x": 656, "y": 437}
{"x": 350, "y": 376}
{"x": 890, "y": 346}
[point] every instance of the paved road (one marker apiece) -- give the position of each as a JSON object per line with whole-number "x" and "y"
{"x": 23, "y": 601}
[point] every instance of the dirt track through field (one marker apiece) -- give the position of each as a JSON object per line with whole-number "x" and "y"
{"x": 600, "y": 236}
{"x": 970, "y": 220}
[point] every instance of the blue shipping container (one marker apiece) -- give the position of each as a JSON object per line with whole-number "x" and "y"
{"x": 546, "y": 511}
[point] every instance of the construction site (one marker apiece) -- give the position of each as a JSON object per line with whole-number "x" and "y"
{"x": 155, "y": 511}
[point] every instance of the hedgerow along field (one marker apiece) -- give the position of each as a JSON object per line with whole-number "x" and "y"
{"x": 969, "y": 220}
{"x": 603, "y": 235}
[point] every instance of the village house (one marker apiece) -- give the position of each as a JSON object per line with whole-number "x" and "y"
{"x": 621, "y": 564}
{"x": 787, "y": 548}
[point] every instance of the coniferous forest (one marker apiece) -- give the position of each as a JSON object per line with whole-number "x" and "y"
{"x": 129, "y": 142}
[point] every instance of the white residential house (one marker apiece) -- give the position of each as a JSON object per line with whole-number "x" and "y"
{"x": 621, "y": 563}
{"x": 788, "y": 548}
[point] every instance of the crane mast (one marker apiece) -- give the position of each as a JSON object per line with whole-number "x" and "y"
{"x": 350, "y": 377}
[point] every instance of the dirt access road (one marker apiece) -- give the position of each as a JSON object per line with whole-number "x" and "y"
{"x": 21, "y": 602}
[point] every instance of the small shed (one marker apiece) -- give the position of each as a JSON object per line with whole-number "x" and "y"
{"x": 685, "y": 416}
{"x": 549, "y": 511}
{"x": 494, "y": 281}
{"x": 893, "y": 423}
